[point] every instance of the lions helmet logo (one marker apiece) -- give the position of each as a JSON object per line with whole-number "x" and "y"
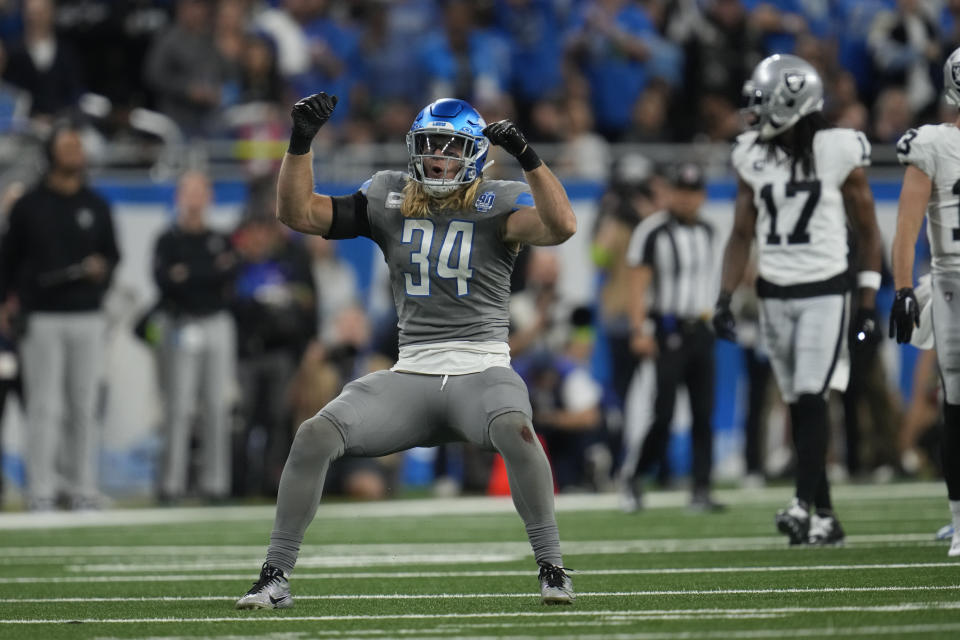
{"x": 955, "y": 72}
{"x": 794, "y": 80}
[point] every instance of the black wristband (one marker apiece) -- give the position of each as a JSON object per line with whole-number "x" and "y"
{"x": 528, "y": 158}
{"x": 299, "y": 144}
{"x": 723, "y": 301}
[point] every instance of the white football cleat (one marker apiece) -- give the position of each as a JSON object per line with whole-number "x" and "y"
{"x": 556, "y": 587}
{"x": 825, "y": 531}
{"x": 271, "y": 591}
{"x": 954, "y": 546}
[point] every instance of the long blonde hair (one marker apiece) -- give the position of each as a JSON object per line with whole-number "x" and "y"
{"x": 417, "y": 203}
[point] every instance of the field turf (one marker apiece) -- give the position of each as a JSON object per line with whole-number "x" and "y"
{"x": 462, "y": 568}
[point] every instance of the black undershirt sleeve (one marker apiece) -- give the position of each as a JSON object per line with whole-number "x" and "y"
{"x": 349, "y": 217}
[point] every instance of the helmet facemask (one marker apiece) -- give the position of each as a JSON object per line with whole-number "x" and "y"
{"x": 443, "y": 160}
{"x": 951, "y": 79}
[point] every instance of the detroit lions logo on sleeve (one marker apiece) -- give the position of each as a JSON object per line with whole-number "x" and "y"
{"x": 484, "y": 201}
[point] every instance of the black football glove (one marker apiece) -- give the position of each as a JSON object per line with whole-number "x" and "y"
{"x": 309, "y": 115}
{"x": 905, "y": 315}
{"x": 865, "y": 331}
{"x": 724, "y": 324}
{"x": 506, "y": 134}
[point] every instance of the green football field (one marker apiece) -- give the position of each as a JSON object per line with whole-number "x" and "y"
{"x": 461, "y": 568}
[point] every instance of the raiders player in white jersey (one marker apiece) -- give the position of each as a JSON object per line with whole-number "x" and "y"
{"x": 800, "y": 182}
{"x": 931, "y": 187}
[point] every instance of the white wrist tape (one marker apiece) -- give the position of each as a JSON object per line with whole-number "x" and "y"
{"x": 868, "y": 280}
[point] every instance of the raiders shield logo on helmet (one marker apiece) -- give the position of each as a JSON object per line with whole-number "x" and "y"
{"x": 794, "y": 80}
{"x": 955, "y": 72}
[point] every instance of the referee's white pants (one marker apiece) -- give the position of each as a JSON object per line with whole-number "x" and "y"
{"x": 62, "y": 356}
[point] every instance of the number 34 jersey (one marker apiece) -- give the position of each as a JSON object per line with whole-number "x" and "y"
{"x": 935, "y": 150}
{"x": 449, "y": 271}
{"x": 801, "y": 224}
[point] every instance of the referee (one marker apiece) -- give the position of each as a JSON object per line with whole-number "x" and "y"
{"x": 672, "y": 290}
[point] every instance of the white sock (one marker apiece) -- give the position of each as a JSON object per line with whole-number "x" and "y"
{"x": 955, "y": 512}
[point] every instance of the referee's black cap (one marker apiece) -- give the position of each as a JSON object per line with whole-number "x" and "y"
{"x": 687, "y": 175}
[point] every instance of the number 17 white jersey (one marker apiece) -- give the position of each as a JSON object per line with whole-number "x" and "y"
{"x": 801, "y": 227}
{"x": 935, "y": 150}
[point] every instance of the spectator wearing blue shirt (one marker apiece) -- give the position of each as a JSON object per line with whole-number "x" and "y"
{"x": 334, "y": 59}
{"x": 464, "y": 61}
{"x": 853, "y": 19}
{"x": 387, "y": 60}
{"x": 781, "y": 21}
{"x": 950, "y": 25}
{"x": 535, "y": 30}
{"x": 610, "y": 40}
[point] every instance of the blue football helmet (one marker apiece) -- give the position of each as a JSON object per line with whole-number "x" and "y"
{"x": 452, "y": 130}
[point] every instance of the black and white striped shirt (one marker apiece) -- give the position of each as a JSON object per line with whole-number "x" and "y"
{"x": 681, "y": 255}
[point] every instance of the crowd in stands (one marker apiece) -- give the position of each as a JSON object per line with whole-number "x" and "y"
{"x": 587, "y": 73}
{"x": 628, "y": 70}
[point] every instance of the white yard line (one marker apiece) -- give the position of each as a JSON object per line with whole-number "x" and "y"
{"x": 753, "y": 634}
{"x": 468, "y": 596}
{"x": 573, "y": 547}
{"x": 379, "y": 575}
{"x": 567, "y": 613}
{"x": 464, "y": 505}
{"x": 448, "y": 630}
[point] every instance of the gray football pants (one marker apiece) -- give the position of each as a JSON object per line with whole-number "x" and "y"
{"x": 805, "y": 338}
{"x": 198, "y": 362}
{"x": 388, "y": 411}
{"x": 946, "y": 332}
{"x": 62, "y": 356}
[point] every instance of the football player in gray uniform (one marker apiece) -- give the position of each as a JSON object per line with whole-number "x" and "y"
{"x": 931, "y": 188}
{"x": 800, "y": 182}
{"x": 450, "y": 238}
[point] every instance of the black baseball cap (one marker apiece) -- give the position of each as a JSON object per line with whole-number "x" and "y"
{"x": 687, "y": 175}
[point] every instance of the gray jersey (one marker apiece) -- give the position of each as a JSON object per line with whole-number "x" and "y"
{"x": 449, "y": 272}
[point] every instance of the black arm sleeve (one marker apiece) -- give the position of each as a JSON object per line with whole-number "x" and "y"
{"x": 349, "y": 217}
